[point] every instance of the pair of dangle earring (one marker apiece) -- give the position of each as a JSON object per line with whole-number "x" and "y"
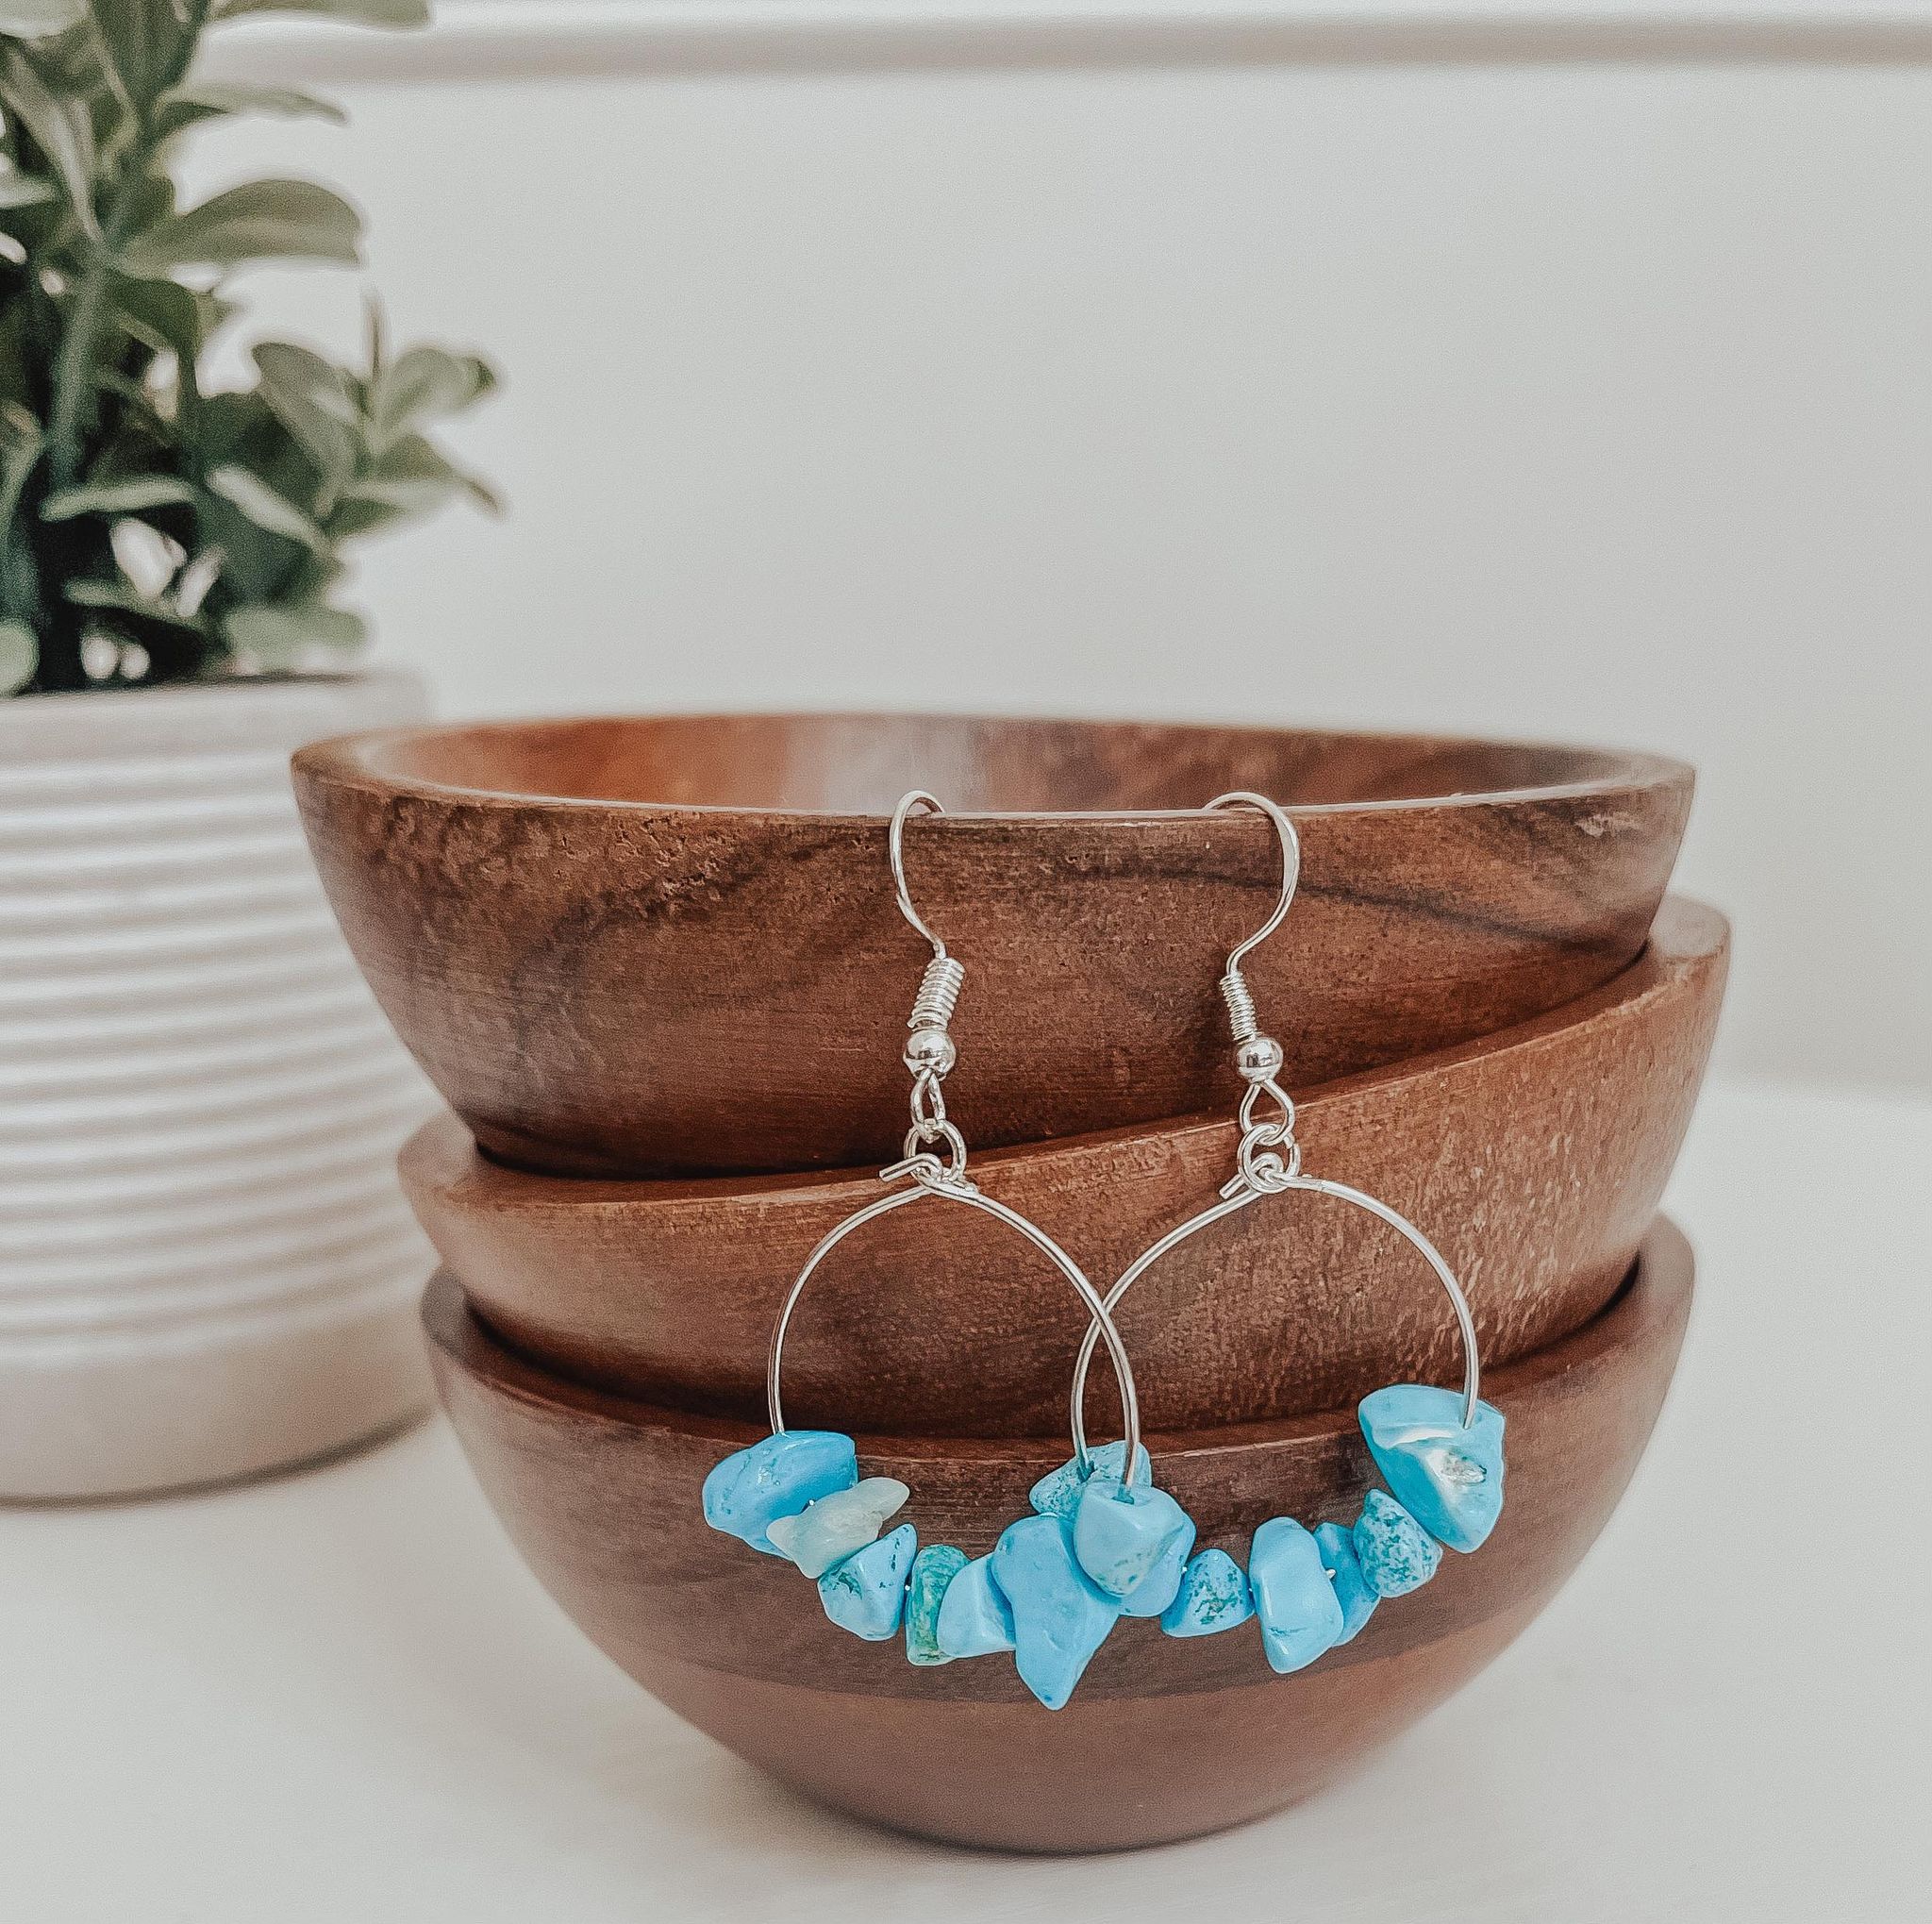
{"x": 1102, "y": 1541}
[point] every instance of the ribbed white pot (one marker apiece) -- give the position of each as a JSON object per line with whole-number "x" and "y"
{"x": 206, "y": 1266}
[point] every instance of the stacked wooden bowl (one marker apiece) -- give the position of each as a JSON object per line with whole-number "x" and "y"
{"x": 656, "y": 969}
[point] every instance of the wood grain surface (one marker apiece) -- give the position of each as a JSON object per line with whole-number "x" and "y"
{"x": 645, "y": 946}
{"x": 1164, "y": 1738}
{"x": 1535, "y": 1158}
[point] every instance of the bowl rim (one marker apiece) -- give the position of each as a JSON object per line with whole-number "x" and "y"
{"x": 357, "y": 761}
{"x": 1657, "y": 1288}
{"x": 443, "y": 1157}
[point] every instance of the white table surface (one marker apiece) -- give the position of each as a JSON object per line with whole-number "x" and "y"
{"x": 263, "y": 1706}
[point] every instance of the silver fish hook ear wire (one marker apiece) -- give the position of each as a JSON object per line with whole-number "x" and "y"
{"x": 895, "y": 854}
{"x": 931, "y": 1051}
{"x": 1258, "y": 1058}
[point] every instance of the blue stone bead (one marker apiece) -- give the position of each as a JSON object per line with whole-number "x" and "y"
{"x": 1396, "y": 1553}
{"x": 1449, "y": 1479}
{"x": 753, "y": 1487}
{"x": 1213, "y": 1596}
{"x": 933, "y": 1570}
{"x": 1345, "y": 1569}
{"x": 974, "y": 1619}
{"x": 1294, "y": 1602}
{"x": 867, "y": 1592}
{"x": 1124, "y": 1535}
{"x": 1058, "y": 1493}
{"x": 1060, "y": 1617}
{"x": 1162, "y": 1585}
{"x": 828, "y": 1531}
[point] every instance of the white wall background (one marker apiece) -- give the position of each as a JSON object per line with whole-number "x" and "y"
{"x": 1502, "y": 373}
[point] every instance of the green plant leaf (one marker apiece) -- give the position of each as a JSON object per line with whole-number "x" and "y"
{"x": 140, "y": 43}
{"x": 35, "y": 19}
{"x": 165, "y": 316}
{"x": 425, "y": 384}
{"x": 130, "y": 496}
{"x": 64, "y": 130}
{"x": 241, "y": 430}
{"x": 20, "y": 581}
{"x": 208, "y": 99}
{"x": 358, "y": 12}
{"x": 23, "y": 190}
{"x": 268, "y": 509}
{"x": 125, "y": 599}
{"x": 20, "y": 358}
{"x": 23, "y": 442}
{"x": 266, "y": 220}
{"x": 277, "y": 635}
{"x": 312, "y": 399}
{"x": 20, "y": 655}
{"x": 413, "y": 477}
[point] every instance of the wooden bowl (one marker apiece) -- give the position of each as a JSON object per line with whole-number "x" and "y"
{"x": 645, "y": 946}
{"x": 1164, "y": 1738}
{"x": 1535, "y": 1158}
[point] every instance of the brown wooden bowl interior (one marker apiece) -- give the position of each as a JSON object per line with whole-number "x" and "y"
{"x": 1535, "y": 1158}
{"x": 653, "y": 946}
{"x": 1164, "y": 1738}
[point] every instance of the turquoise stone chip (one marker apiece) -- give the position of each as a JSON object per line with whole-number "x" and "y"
{"x": 1213, "y": 1596}
{"x": 1162, "y": 1583}
{"x": 827, "y": 1531}
{"x": 1396, "y": 1553}
{"x": 866, "y": 1593}
{"x": 1122, "y": 1535}
{"x": 1294, "y": 1602}
{"x": 975, "y": 1619}
{"x": 1060, "y": 1617}
{"x": 753, "y": 1487}
{"x": 1058, "y": 1493}
{"x": 933, "y": 1568}
{"x": 1345, "y": 1569}
{"x": 1449, "y": 1479}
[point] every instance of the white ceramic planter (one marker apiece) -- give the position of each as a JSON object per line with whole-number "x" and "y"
{"x": 206, "y": 1266}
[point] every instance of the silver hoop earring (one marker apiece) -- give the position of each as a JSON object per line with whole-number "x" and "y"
{"x": 1054, "y": 1583}
{"x": 1441, "y": 1451}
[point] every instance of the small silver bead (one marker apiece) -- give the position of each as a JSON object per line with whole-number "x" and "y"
{"x": 931, "y": 1051}
{"x": 1259, "y": 1059}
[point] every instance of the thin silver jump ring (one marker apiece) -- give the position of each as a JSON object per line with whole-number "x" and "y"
{"x": 1269, "y": 1165}
{"x": 918, "y": 1149}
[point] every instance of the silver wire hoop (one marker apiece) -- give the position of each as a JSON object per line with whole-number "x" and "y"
{"x": 1268, "y": 1159}
{"x": 1244, "y": 1195}
{"x": 945, "y": 1177}
{"x": 1100, "y": 1330}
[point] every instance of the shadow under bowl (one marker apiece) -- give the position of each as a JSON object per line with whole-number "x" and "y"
{"x": 637, "y": 945}
{"x": 1165, "y": 1738}
{"x": 1535, "y": 1158}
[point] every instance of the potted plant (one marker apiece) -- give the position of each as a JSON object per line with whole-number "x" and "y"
{"x": 205, "y": 1267}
